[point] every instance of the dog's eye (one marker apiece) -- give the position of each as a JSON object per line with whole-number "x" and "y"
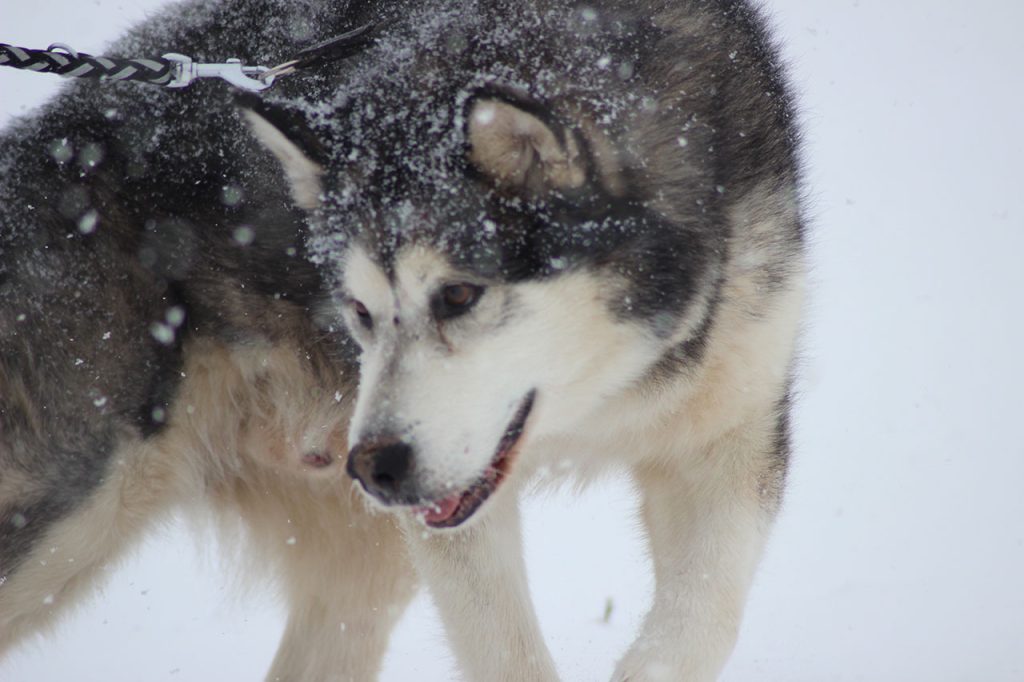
{"x": 363, "y": 314}
{"x": 458, "y": 295}
{"x": 456, "y": 299}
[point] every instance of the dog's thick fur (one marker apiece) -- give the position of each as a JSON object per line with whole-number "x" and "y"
{"x": 508, "y": 235}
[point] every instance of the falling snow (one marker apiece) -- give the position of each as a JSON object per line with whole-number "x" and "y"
{"x": 910, "y": 370}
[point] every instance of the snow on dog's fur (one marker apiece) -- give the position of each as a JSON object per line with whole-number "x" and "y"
{"x": 544, "y": 232}
{"x": 577, "y": 239}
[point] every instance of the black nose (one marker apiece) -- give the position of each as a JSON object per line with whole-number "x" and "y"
{"x": 383, "y": 468}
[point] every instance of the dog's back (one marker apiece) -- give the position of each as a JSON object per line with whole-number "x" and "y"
{"x": 117, "y": 202}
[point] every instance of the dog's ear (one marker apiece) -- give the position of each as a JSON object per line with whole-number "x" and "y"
{"x": 284, "y": 133}
{"x": 519, "y": 150}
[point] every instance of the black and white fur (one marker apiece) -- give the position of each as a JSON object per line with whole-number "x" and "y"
{"x": 553, "y": 231}
{"x": 615, "y": 186}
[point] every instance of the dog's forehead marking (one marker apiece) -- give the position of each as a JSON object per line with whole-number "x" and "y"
{"x": 366, "y": 281}
{"x": 417, "y": 271}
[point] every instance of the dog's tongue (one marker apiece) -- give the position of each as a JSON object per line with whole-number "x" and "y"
{"x": 441, "y": 510}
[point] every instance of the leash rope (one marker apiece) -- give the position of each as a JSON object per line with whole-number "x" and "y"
{"x": 176, "y": 70}
{"x": 81, "y": 65}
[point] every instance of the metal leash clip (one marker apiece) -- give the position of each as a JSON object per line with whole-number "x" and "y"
{"x": 254, "y": 78}
{"x": 175, "y": 70}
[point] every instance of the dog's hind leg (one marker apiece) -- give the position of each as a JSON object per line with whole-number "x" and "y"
{"x": 477, "y": 578}
{"x": 50, "y": 567}
{"x": 707, "y": 520}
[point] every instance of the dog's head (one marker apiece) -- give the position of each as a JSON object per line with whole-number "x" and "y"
{"x": 494, "y": 260}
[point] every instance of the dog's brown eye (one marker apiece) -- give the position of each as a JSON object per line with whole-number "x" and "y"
{"x": 456, "y": 299}
{"x": 458, "y": 295}
{"x": 364, "y": 315}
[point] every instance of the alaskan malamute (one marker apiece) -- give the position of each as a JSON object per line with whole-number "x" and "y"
{"x": 507, "y": 235}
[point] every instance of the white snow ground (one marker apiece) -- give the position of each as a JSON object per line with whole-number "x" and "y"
{"x": 900, "y": 554}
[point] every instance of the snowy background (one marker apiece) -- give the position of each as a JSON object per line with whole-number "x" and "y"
{"x": 900, "y": 553}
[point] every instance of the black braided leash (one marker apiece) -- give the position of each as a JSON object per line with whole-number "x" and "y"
{"x": 174, "y": 70}
{"x": 81, "y": 65}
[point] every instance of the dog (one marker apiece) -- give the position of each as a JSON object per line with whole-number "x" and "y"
{"x": 504, "y": 237}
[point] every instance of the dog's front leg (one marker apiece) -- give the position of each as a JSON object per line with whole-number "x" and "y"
{"x": 347, "y": 581}
{"x": 707, "y": 523}
{"x": 477, "y": 577}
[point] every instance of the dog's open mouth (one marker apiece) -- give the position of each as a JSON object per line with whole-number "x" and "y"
{"x": 454, "y": 509}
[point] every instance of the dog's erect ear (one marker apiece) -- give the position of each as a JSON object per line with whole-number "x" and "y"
{"x": 518, "y": 150}
{"x": 284, "y": 133}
